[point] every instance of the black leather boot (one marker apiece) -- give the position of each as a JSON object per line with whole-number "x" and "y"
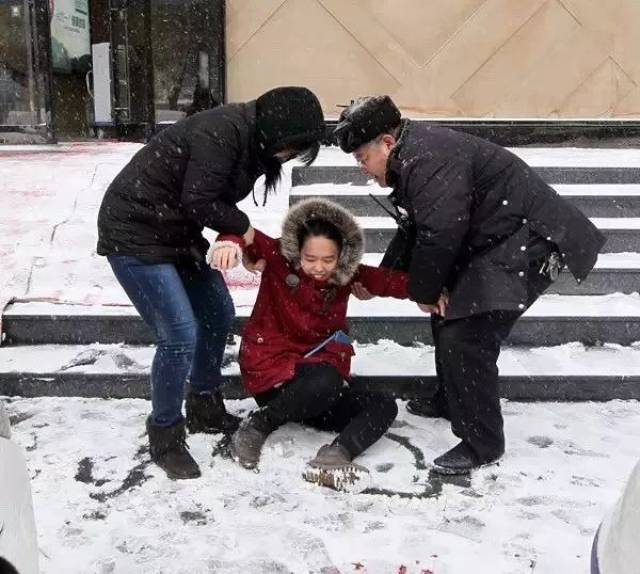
{"x": 462, "y": 460}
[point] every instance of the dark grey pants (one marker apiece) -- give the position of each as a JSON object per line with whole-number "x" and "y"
{"x": 467, "y": 352}
{"x": 318, "y": 397}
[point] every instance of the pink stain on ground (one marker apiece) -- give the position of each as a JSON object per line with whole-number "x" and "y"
{"x": 73, "y": 149}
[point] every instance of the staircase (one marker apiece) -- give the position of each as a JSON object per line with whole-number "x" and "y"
{"x": 576, "y": 343}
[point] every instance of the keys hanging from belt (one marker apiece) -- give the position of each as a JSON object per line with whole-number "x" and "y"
{"x": 551, "y": 266}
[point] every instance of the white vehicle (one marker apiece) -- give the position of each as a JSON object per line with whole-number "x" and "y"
{"x": 615, "y": 549}
{"x": 18, "y": 541}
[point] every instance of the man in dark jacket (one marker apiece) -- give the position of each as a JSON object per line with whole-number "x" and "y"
{"x": 480, "y": 234}
{"x": 190, "y": 176}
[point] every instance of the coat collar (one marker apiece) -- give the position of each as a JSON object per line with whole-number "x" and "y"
{"x": 394, "y": 162}
{"x": 352, "y": 236}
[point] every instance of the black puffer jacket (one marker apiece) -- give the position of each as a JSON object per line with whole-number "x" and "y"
{"x": 192, "y": 174}
{"x": 187, "y": 177}
{"x": 477, "y": 217}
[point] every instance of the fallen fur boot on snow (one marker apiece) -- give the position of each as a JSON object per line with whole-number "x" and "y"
{"x": 246, "y": 443}
{"x": 332, "y": 467}
{"x": 206, "y": 413}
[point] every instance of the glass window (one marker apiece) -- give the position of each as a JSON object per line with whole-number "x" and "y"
{"x": 186, "y": 38}
{"x": 21, "y": 81}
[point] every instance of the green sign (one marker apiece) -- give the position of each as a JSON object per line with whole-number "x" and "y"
{"x": 70, "y": 39}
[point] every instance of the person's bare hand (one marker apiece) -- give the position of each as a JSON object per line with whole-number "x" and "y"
{"x": 443, "y": 302}
{"x": 439, "y": 308}
{"x": 254, "y": 267}
{"x": 225, "y": 258}
{"x": 430, "y": 309}
{"x": 249, "y": 236}
{"x": 361, "y": 292}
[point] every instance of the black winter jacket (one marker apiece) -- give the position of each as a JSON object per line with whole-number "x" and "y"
{"x": 477, "y": 216}
{"x": 189, "y": 176}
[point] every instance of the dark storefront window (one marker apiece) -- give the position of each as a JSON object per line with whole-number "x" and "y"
{"x": 22, "y": 74}
{"x": 70, "y": 62}
{"x": 188, "y": 42}
{"x": 156, "y": 61}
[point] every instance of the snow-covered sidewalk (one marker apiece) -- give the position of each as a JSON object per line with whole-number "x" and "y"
{"x": 102, "y": 509}
{"x": 51, "y": 194}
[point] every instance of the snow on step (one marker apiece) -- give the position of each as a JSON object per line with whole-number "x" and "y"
{"x": 606, "y": 261}
{"x": 598, "y": 189}
{"x": 537, "y": 157}
{"x": 603, "y": 223}
{"x": 613, "y": 305}
{"x": 564, "y": 189}
{"x": 385, "y": 358}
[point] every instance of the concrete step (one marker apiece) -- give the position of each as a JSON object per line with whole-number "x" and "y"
{"x": 598, "y": 200}
{"x": 614, "y": 273}
{"x": 568, "y": 372}
{"x": 534, "y": 156}
{"x": 552, "y": 320}
{"x": 623, "y": 234}
{"x": 339, "y": 174}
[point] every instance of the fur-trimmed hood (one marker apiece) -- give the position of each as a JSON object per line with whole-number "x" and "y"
{"x": 352, "y": 235}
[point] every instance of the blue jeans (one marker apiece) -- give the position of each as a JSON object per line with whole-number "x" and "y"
{"x": 190, "y": 310}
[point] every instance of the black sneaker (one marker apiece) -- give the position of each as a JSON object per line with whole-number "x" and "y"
{"x": 460, "y": 460}
{"x": 206, "y": 413}
{"x": 169, "y": 451}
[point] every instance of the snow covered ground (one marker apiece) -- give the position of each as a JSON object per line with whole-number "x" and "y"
{"x": 101, "y": 508}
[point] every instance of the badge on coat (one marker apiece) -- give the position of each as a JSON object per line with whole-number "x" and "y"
{"x": 292, "y": 280}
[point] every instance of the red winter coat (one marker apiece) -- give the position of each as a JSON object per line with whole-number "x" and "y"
{"x": 289, "y": 320}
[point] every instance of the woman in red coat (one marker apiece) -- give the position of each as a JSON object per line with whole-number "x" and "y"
{"x": 295, "y": 356}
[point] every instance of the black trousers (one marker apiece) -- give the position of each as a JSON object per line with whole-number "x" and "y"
{"x": 466, "y": 356}
{"x": 318, "y": 396}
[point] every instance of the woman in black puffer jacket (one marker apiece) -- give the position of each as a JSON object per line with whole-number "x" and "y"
{"x": 190, "y": 176}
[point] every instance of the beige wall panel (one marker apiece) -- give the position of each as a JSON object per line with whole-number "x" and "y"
{"x": 328, "y": 61}
{"x": 244, "y": 19}
{"x": 548, "y": 86}
{"x": 603, "y": 15}
{"x": 600, "y": 93}
{"x": 629, "y": 106}
{"x": 621, "y": 19}
{"x": 459, "y": 58}
{"x": 422, "y": 27}
{"x": 627, "y": 39}
{"x": 471, "y": 46}
{"x": 367, "y": 32}
{"x": 527, "y": 49}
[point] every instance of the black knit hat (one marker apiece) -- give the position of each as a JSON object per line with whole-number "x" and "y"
{"x": 288, "y": 117}
{"x": 364, "y": 120}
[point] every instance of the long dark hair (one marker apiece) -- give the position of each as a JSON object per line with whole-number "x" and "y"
{"x": 304, "y": 151}
{"x": 319, "y": 227}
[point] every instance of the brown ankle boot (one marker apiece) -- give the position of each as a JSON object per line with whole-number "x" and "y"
{"x": 169, "y": 451}
{"x": 206, "y": 413}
